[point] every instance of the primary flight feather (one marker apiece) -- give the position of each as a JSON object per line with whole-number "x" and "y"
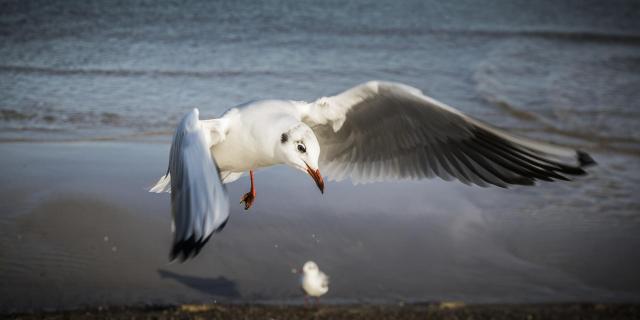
{"x": 373, "y": 132}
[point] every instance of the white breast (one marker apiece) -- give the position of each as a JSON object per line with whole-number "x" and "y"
{"x": 249, "y": 142}
{"x": 314, "y": 284}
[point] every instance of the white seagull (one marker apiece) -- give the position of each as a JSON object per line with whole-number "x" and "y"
{"x": 373, "y": 132}
{"x": 314, "y": 282}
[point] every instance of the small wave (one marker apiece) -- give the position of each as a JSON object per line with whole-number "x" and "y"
{"x": 162, "y": 138}
{"x": 132, "y": 72}
{"x": 510, "y": 109}
{"x": 601, "y": 141}
{"x": 557, "y": 34}
{"x": 110, "y": 118}
{"x": 578, "y": 35}
{"x": 36, "y": 123}
{"x": 49, "y": 116}
{"x": 10, "y": 115}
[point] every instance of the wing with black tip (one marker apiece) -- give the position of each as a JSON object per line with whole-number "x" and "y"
{"x": 388, "y": 131}
{"x": 199, "y": 201}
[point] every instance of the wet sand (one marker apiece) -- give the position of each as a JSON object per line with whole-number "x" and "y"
{"x": 79, "y": 230}
{"x": 413, "y": 311}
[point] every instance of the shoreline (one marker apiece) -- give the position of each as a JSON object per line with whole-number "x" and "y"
{"x": 442, "y": 310}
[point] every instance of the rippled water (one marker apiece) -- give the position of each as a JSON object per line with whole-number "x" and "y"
{"x": 81, "y": 70}
{"x": 564, "y": 71}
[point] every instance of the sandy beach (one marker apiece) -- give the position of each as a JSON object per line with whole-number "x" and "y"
{"x": 79, "y": 229}
{"x": 444, "y": 311}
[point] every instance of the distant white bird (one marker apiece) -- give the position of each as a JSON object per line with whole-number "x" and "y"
{"x": 373, "y": 132}
{"x": 314, "y": 282}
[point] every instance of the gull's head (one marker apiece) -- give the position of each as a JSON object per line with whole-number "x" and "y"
{"x": 300, "y": 149}
{"x": 310, "y": 267}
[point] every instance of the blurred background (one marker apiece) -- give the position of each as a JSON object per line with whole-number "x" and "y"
{"x": 90, "y": 92}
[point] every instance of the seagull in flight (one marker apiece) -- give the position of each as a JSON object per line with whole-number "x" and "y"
{"x": 376, "y": 131}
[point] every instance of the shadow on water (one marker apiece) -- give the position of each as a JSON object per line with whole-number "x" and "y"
{"x": 219, "y": 286}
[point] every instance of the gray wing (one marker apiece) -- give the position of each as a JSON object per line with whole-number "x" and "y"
{"x": 217, "y": 129}
{"x": 324, "y": 280}
{"x": 199, "y": 202}
{"x": 387, "y": 131}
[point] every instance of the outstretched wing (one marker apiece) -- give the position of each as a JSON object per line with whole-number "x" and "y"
{"x": 386, "y": 131}
{"x": 199, "y": 202}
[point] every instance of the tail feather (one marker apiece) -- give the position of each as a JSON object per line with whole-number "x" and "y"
{"x": 163, "y": 184}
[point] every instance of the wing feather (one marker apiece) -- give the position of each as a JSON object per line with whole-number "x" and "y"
{"x": 198, "y": 198}
{"x": 387, "y": 131}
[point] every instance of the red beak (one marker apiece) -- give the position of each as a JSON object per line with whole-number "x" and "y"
{"x": 317, "y": 177}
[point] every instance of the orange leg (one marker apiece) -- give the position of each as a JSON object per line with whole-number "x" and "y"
{"x": 250, "y": 196}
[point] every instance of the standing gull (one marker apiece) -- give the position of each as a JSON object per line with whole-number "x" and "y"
{"x": 314, "y": 282}
{"x": 373, "y": 132}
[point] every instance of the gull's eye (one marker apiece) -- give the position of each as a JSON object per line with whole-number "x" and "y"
{"x": 301, "y": 148}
